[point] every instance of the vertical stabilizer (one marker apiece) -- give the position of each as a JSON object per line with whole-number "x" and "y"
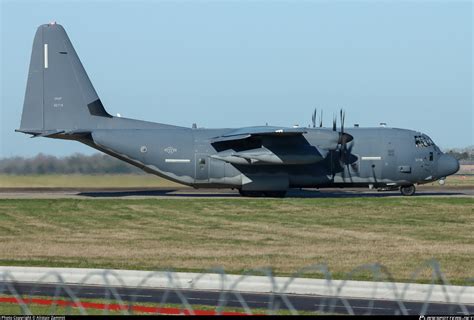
{"x": 59, "y": 94}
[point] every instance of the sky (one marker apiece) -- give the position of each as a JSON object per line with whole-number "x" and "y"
{"x": 242, "y": 63}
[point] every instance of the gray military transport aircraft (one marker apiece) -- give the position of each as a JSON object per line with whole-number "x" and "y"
{"x": 60, "y": 102}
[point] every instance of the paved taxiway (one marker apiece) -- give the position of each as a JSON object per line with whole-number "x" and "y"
{"x": 185, "y": 192}
{"x": 253, "y": 300}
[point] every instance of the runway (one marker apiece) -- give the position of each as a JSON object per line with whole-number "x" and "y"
{"x": 252, "y": 300}
{"x": 186, "y": 192}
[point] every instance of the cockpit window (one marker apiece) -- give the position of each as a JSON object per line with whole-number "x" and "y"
{"x": 423, "y": 142}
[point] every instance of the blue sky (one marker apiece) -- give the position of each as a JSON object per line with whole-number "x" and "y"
{"x": 242, "y": 63}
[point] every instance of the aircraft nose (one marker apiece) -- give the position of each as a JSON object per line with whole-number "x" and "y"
{"x": 447, "y": 165}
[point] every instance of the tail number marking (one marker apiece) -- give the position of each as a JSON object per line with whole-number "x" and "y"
{"x": 58, "y": 102}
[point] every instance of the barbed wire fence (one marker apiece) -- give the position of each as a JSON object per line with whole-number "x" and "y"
{"x": 231, "y": 292}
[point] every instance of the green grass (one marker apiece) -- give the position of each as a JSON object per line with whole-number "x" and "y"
{"x": 84, "y": 181}
{"x": 137, "y": 181}
{"x": 458, "y": 180}
{"x": 242, "y": 234}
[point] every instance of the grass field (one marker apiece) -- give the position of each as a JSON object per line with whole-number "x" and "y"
{"x": 241, "y": 234}
{"x": 453, "y": 181}
{"x": 138, "y": 180}
{"x": 85, "y": 181}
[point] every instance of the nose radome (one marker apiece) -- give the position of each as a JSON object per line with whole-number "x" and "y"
{"x": 447, "y": 165}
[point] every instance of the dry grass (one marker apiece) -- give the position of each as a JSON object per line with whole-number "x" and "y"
{"x": 137, "y": 181}
{"x": 458, "y": 180}
{"x": 85, "y": 181}
{"x": 241, "y": 234}
{"x": 466, "y": 169}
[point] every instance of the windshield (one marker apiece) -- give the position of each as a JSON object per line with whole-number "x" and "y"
{"x": 423, "y": 141}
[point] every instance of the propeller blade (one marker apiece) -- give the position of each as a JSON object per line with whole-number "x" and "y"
{"x": 334, "y": 123}
{"x": 313, "y": 118}
{"x": 344, "y": 138}
{"x": 321, "y": 119}
{"x": 346, "y": 156}
{"x": 343, "y": 117}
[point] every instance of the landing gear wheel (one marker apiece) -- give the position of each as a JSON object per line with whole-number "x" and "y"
{"x": 408, "y": 190}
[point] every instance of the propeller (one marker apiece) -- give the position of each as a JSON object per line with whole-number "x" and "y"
{"x": 321, "y": 119}
{"x": 344, "y": 138}
{"x": 346, "y": 158}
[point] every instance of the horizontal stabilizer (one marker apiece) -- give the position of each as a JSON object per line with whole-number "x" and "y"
{"x": 39, "y": 133}
{"x": 49, "y": 133}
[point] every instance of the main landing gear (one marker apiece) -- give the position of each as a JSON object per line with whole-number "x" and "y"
{"x": 408, "y": 190}
{"x": 268, "y": 194}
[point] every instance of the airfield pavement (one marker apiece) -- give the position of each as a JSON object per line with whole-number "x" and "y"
{"x": 186, "y": 192}
{"x": 260, "y": 303}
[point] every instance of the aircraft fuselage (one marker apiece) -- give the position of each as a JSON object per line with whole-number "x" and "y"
{"x": 379, "y": 157}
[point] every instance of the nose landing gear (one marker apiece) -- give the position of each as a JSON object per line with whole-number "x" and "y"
{"x": 408, "y": 190}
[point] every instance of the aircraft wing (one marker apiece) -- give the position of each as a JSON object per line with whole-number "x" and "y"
{"x": 244, "y": 133}
{"x": 233, "y": 147}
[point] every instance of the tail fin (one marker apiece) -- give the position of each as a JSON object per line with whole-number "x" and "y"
{"x": 59, "y": 95}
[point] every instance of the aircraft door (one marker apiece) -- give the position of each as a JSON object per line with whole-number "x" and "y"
{"x": 202, "y": 168}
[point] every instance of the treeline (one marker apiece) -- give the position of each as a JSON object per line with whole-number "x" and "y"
{"x": 74, "y": 164}
{"x": 462, "y": 155}
{"x": 465, "y": 154}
